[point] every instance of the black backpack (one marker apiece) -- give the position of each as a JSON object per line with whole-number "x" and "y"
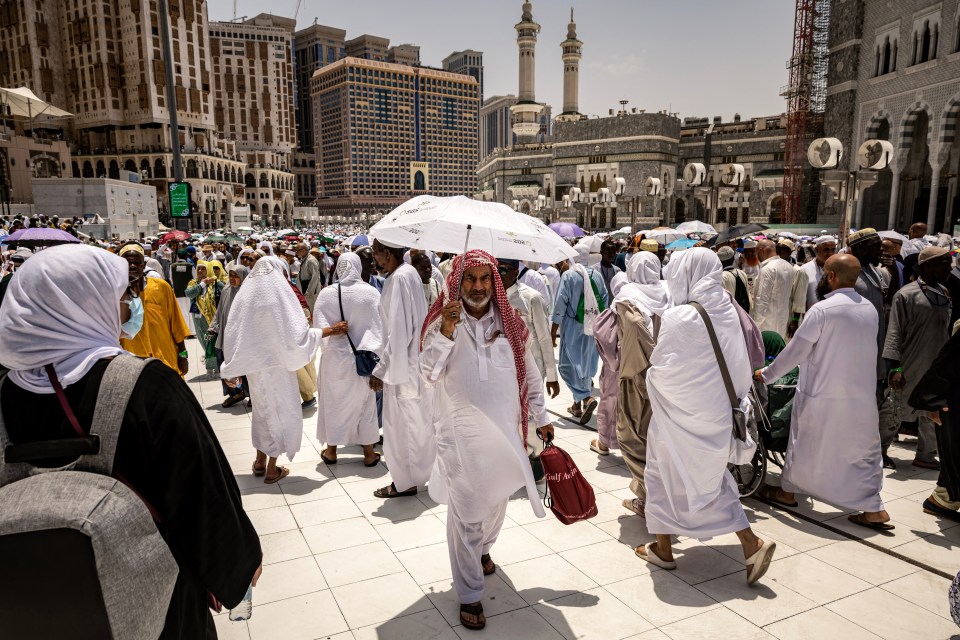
{"x": 740, "y": 293}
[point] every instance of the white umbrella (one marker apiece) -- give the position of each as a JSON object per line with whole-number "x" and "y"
{"x": 666, "y": 235}
{"x": 451, "y": 224}
{"x": 695, "y": 226}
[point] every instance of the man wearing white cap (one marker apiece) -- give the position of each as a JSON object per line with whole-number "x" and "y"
{"x": 749, "y": 263}
{"x": 824, "y": 246}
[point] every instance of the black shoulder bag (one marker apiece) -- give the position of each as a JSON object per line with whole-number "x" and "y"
{"x": 366, "y": 360}
{"x": 739, "y": 417}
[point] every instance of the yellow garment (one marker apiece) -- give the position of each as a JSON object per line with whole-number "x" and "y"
{"x": 163, "y": 325}
{"x": 219, "y": 265}
{"x": 206, "y": 302}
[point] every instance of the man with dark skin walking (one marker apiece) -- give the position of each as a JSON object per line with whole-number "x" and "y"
{"x": 875, "y": 284}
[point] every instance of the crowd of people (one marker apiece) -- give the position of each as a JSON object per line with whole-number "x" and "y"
{"x": 453, "y": 358}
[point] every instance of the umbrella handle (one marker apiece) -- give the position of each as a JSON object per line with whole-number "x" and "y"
{"x": 466, "y": 243}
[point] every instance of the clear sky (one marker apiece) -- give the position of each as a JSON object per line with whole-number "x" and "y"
{"x": 697, "y": 57}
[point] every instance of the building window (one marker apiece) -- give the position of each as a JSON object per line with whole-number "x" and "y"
{"x": 926, "y": 38}
{"x": 886, "y": 53}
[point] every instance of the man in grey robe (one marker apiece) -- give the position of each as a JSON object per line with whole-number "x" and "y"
{"x": 309, "y": 280}
{"x": 919, "y": 327}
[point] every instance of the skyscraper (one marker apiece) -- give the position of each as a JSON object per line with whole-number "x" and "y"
{"x": 468, "y": 62}
{"x": 384, "y": 132}
{"x": 253, "y": 106}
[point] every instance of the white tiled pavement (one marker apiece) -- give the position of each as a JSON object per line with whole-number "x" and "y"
{"x": 341, "y": 564}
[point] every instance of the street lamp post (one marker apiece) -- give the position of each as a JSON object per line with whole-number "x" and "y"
{"x": 847, "y": 185}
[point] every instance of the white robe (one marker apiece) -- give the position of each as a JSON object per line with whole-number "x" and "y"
{"x": 269, "y": 339}
{"x": 348, "y": 408}
{"x": 409, "y": 442}
{"x": 773, "y": 294}
{"x": 834, "y": 448}
{"x": 690, "y": 439}
{"x": 814, "y": 273}
{"x": 481, "y": 459}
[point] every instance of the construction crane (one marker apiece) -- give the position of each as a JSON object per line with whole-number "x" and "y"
{"x": 806, "y": 101}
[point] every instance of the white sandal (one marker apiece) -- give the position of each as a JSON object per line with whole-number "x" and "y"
{"x": 595, "y": 446}
{"x": 758, "y": 563}
{"x": 650, "y": 556}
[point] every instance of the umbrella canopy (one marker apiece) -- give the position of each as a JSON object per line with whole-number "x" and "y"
{"x": 450, "y": 224}
{"x": 360, "y": 240}
{"x": 736, "y": 232}
{"x": 233, "y": 239}
{"x": 24, "y": 103}
{"x": 567, "y": 230}
{"x": 286, "y": 232}
{"x": 179, "y": 236}
{"x": 695, "y": 226}
{"x": 683, "y": 243}
{"x": 39, "y": 236}
{"x": 247, "y": 230}
{"x": 215, "y": 237}
{"x": 666, "y": 235}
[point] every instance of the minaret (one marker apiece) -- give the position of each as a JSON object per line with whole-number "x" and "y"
{"x": 571, "y": 73}
{"x": 526, "y": 113}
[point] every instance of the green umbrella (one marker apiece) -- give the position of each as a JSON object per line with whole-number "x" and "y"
{"x": 215, "y": 237}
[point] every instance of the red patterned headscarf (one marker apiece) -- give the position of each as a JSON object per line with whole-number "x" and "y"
{"x": 513, "y": 325}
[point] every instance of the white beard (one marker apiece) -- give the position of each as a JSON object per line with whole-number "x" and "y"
{"x": 477, "y": 305}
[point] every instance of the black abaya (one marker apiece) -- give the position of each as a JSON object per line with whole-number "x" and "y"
{"x": 168, "y": 452}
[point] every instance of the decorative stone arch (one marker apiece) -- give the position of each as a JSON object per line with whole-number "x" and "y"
{"x": 770, "y": 198}
{"x": 250, "y": 181}
{"x": 145, "y": 167}
{"x": 130, "y": 165}
{"x": 75, "y": 167}
{"x": 87, "y": 169}
{"x": 876, "y": 122}
{"x": 950, "y": 120}
{"x": 909, "y": 120}
{"x": 264, "y": 182}
{"x": 44, "y": 165}
{"x": 219, "y": 173}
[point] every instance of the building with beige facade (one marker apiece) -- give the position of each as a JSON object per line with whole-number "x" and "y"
{"x": 384, "y": 132}
{"x": 253, "y": 88}
{"x": 104, "y": 63}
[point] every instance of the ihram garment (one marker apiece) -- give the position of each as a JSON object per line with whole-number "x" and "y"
{"x": 481, "y": 455}
{"x": 834, "y": 447}
{"x": 408, "y": 436}
{"x": 269, "y": 339}
{"x": 690, "y": 439}
{"x": 348, "y": 409}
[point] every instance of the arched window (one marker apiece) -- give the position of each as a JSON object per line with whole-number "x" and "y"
{"x": 219, "y": 173}
{"x": 87, "y": 169}
{"x": 101, "y": 169}
{"x": 249, "y": 180}
{"x": 114, "y": 170}
{"x": 419, "y": 181}
{"x": 145, "y": 168}
{"x": 263, "y": 180}
{"x": 886, "y": 56}
{"x": 925, "y": 42}
{"x": 192, "y": 168}
{"x": 76, "y": 169}
{"x": 159, "y": 169}
{"x": 130, "y": 165}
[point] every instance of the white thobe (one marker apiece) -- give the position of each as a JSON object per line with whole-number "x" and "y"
{"x": 408, "y": 436}
{"x": 535, "y": 281}
{"x": 481, "y": 459}
{"x": 532, "y": 308}
{"x": 276, "y": 425}
{"x": 553, "y": 282}
{"x": 773, "y": 295}
{"x": 834, "y": 448}
{"x": 690, "y": 439}
{"x": 814, "y": 273}
{"x": 348, "y": 406}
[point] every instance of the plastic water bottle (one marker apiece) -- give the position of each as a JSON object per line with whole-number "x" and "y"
{"x": 244, "y": 610}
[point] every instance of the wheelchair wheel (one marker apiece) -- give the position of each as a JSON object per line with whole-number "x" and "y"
{"x": 750, "y": 477}
{"x": 776, "y": 458}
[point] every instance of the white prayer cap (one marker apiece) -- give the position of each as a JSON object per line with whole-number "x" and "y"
{"x": 824, "y": 240}
{"x": 750, "y": 244}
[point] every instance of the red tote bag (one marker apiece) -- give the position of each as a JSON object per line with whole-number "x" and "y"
{"x": 569, "y": 495}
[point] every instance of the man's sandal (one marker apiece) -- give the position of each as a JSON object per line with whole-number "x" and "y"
{"x": 259, "y": 471}
{"x": 390, "y": 491}
{"x": 475, "y": 610}
{"x": 489, "y": 567}
{"x": 283, "y": 473}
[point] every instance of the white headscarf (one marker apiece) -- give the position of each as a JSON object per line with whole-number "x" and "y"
{"x": 266, "y": 247}
{"x": 590, "y": 307}
{"x": 646, "y": 290}
{"x": 617, "y": 283}
{"x": 360, "y": 306}
{"x": 62, "y": 308}
{"x": 267, "y": 325}
{"x": 696, "y": 275}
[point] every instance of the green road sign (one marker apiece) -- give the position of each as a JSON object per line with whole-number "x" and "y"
{"x": 180, "y": 199}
